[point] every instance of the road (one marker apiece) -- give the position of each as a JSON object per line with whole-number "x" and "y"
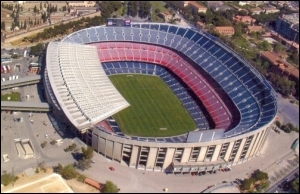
{"x": 275, "y": 187}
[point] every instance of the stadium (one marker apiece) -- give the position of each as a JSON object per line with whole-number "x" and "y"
{"x": 159, "y": 97}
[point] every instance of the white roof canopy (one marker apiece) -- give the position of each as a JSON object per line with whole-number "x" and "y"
{"x": 80, "y": 85}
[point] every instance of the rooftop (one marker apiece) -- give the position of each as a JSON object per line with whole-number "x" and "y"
{"x": 195, "y": 4}
{"x": 273, "y": 57}
{"x": 292, "y": 18}
{"x": 224, "y": 28}
{"x": 80, "y": 84}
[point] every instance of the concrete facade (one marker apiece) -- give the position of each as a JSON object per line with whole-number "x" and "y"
{"x": 178, "y": 157}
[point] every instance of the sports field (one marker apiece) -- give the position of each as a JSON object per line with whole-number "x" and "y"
{"x": 153, "y": 106}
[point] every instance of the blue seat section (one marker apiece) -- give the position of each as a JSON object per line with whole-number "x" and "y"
{"x": 109, "y": 32}
{"x": 181, "y": 31}
{"x": 154, "y": 27}
{"x": 136, "y": 34}
{"x": 100, "y": 34}
{"x": 189, "y": 34}
{"x": 119, "y": 33}
{"x": 163, "y": 28}
{"x": 146, "y": 26}
{"x": 172, "y": 29}
{"x": 84, "y": 36}
{"x": 92, "y": 34}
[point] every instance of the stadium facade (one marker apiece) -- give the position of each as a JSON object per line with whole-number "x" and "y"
{"x": 228, "y": 93}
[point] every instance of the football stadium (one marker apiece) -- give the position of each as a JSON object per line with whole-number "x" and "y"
{"x": 159, "y": 97}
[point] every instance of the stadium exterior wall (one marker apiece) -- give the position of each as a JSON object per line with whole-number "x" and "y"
{"x": 179, "y": 157}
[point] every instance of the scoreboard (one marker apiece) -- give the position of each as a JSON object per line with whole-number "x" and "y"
{"x": 118, "y": 22}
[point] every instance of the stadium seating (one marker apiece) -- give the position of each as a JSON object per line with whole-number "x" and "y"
{"x": 249, "y": 91}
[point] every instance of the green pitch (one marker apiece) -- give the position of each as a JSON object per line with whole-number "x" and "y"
{"x": 153, "y": 105}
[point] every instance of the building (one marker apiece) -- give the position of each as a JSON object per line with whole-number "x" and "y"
{"x": 271, "y": 9}
{"x": 238, "y": 136}
{"x": 79, "y": 11}
{"x": 81, "y": 3}
{"x": 244, "y": 19}
{"x": 225, "y": 30}
{"x": 220, "y": 7}
{"x": 167, "y": 16}
{"x": 254, "y": 29}
{"x": 288, "y": 26}
{"x": 281, "y": 67}
{"x": 197, "y": 7}
{"x": 256, "y": 10}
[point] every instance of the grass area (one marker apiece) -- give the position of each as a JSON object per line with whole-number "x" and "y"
{"x": 14, "y": 96}
{"x": 153, "y": 105}
{"x": 157, "y": 5}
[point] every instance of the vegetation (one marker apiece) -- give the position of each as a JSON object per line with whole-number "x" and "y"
{"x": 295, "y": 185}
{"x": 288, "y": 127}
{"x": 84, "y": 164}
{"x": 71, "y": 147}
{"x": 43, "y": 145}
{"x": 157, "y": 7}
{"x": 8, "y": 178}
{"x": 14, "y": 96}
{"x": 81, "y": 178}
{"x": 67, "y": 172}
{"x": 277, "y": 123}
{"x": 37, "y": 49}
{"x": 258, "y": 182}
{"x": 153, "y": 105}
{"x": 110, "y": 187}
{"x": 88, "y": 152}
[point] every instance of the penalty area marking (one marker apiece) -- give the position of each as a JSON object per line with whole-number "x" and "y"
{"x": 163, "y": 128}
{"x": 129, "y": 76}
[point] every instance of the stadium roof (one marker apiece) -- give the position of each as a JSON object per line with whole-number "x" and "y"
{"x": 203, "y": 136}
{"x": 80, "y": 85}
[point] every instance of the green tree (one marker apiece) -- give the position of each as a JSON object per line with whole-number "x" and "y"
{"x": 68, "y": 172}
{"x": 247, "y": 183}
{"x": 84, "y": 164}
{"x": 88, "y": 152}
{"x": 110, "y": 187}
{"x": 264, "y": 45}
{"x": 277, "y": 123}
{"x": 295, "y": 185}
{"x": 260, "y": 176}
{"x": 7, "y": 178}
{"x": 278, "y": 47}
{"x": 37, "y": 49}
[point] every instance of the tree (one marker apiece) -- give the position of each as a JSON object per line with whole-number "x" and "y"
{"x": 278, "y": 47}
{"x": 7, "y": 178}
{"x": 84, "y": 164}
{"x": 243, "y": 12}
{"x": 247, "y": 183}
{"x": 37, "y": 49}
{"x": 35, "y": 9}
{"x": 295, "y": 185}
{"x": 265, "y": 45}
{"x": 41, "y": 6}
{"x": 157, "y": 11}
{"x": 277, "y": 123}
{"x": 259, "y": 175}
{"x": 87, "y": 153}
{"x": 68, "y": 172}
{"x": 44, "y": 144}
{"x": 110, "y": 187}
